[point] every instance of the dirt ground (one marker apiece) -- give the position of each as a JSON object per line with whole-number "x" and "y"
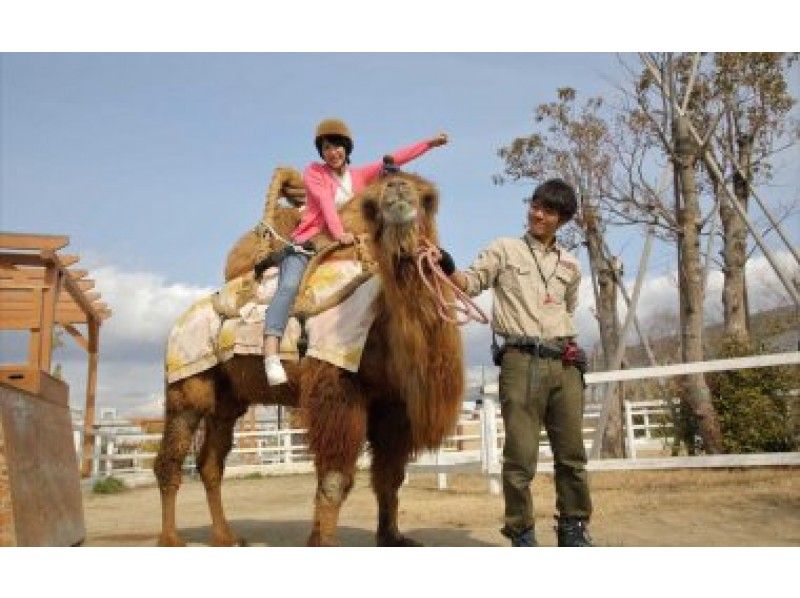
{"x": 730, "y": 507}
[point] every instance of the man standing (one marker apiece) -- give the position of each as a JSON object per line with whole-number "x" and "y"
{"x": 535, "y": 285}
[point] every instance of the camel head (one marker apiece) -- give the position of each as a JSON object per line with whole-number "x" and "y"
{"x": 398, "y": 209}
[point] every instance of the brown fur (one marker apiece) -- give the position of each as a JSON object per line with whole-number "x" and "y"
{"x": 405, "y": 397}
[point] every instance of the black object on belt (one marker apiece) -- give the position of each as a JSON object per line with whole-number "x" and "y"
{"x": 537, "y": 350}
{"x": 535, "y": 346}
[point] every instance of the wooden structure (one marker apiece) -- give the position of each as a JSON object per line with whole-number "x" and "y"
{"x": 39, "y": 484}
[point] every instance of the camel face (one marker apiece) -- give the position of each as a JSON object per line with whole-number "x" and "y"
{"x": 399, "y": 201}
{"x": 399, "y": 208}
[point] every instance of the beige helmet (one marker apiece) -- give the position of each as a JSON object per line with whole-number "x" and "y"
{"x": 337, "y": 129}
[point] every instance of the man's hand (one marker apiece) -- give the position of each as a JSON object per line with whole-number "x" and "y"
{"x": 446, "y": 262}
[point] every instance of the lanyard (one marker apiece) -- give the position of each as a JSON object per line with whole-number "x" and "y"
{"x": 545, "y": 281}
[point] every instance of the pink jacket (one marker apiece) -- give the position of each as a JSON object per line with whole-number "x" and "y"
{"x": 320, "y": 212}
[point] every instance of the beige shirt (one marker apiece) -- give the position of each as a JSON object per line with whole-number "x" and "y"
{"x": 524, "y": 304}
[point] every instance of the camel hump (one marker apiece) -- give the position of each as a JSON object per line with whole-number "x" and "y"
{"x": 276, "y": 221}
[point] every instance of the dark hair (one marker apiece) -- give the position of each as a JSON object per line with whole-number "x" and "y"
{"x": 558, "y": 195}
{"x": 341, "y": 140}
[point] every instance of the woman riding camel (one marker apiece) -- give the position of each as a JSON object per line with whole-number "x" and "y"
{"x": 328, "y": 186}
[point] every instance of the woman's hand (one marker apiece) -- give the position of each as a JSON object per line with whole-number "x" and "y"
{"x": 440, "y": 139}
{"x": 347, "y": 239}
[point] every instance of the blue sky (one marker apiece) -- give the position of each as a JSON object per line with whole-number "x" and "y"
{"x": 158, "y": 162}
{"x": 153, "y": 164}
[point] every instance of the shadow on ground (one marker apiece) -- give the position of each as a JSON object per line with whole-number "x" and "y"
{"x": 291, "y": 534}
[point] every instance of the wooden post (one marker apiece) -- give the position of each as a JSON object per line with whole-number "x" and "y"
{"x": 251, "y": 441}
{"x": 49, "y": 299}
{"x": 35, "y": 340}
{"x": 287, "y": 445}
{"x": 77, "y": 441}
{"x": 629, "y": 430}
{"x": 96, "y": 453}
{"x": 91, "y": 389}
{"x": 441, "y": 476}
{"x": 489, "y": 441}
{"x": 484, "y": 438}
{"x": 109, "y": 462}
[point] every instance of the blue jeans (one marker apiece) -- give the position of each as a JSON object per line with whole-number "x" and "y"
{"x": 289, "y": 276}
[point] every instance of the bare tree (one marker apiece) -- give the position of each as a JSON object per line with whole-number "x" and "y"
{"x": 752, "y": 102}
{"x": 664, "y": 79}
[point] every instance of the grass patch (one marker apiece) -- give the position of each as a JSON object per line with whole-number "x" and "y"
{"x": 253, "y": 476}
{"x": 109, "y": 485}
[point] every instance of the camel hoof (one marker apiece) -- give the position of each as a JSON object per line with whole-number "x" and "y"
{"x": 228, "y": 539}
{"x": 397, "y": 540}
{"x": 172, "y": 540}
{"x": 316, "y": 540}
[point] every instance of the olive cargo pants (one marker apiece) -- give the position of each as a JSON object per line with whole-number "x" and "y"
{"x": 534, "y": 391}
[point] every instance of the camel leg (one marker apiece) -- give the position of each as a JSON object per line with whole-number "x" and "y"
{"x": 211, "y": 465}
{"x": 389, "y": 435}
{"x": 179, "y": 429}
{"x": 333, "y": 486}
{"x": 336, "y": 419}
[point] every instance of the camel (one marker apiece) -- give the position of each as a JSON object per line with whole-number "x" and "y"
{"x": 405, "y": 397}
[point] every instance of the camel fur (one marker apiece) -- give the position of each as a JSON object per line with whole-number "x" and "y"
{"x": 405, "y": 397}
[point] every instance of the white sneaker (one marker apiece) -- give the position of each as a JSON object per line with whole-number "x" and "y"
{"x": 275, "y": 373}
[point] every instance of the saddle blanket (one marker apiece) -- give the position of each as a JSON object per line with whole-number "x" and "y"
{"x": 202, "y": 338}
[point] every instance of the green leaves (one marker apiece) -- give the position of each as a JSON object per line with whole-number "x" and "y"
{"x": 752, "y": 405}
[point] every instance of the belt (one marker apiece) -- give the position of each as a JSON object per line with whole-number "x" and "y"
{"x": 544, "y": 351}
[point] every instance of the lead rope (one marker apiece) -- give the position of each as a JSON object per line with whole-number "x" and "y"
{"x": 434, "y": 278}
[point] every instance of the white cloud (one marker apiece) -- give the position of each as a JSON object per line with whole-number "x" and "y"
{"x": 659, "y": 295}
{"x": 765, "y": 291}
{"x": 144, "y": 305}
{"x": 130, "y": 370}
{"x": 133, "y": 387}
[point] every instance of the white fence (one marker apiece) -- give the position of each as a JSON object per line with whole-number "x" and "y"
{"x": 129, "y": 455}
{"x": 648, "y": 425}
{"x": 475, "y": 446}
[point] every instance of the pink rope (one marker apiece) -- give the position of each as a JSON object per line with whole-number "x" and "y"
{"x": 434, "y": 278}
